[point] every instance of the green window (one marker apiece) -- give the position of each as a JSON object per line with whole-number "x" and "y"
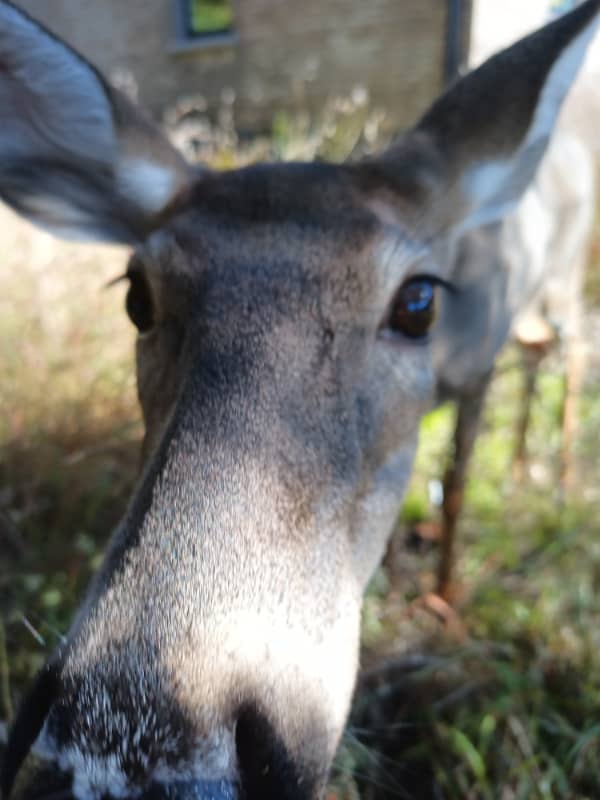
{"x": 208, "y": 17}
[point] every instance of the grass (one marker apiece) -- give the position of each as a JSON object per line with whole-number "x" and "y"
{"x": 504, "y": 705}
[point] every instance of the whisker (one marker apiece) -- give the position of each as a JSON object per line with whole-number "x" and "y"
{"x": 114, "y": 281}
{"x": 36, "y": 634}
{"x": 53, "y": 630}
{"x": 386, "y": 781}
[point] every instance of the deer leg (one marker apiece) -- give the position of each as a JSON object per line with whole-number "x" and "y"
{"x": 467, "y": 422}
{"x": 532, "y": 357}
{"x": 574, "y": 380}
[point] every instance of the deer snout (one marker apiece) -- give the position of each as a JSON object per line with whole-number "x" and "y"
{"x": 218, "y": 645}
{"x": 128, "y": 739}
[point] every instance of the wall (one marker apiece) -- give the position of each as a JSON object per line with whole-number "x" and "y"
{"x": 289, "y": 54}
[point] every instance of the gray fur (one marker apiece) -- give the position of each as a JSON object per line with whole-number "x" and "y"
{"x": 530, "y": 263}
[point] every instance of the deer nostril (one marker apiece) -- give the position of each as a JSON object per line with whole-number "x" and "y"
{"x": 267, "y": 771}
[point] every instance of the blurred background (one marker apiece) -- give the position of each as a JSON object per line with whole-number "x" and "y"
{"x": 498, "y": 697}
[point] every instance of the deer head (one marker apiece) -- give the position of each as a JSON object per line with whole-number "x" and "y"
{"x": 283, "y": 366}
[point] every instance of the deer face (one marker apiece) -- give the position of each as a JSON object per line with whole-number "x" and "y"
{"x": 230, "y": 609}
{"x": 272, "y": 479}
{"x": 283, "y": 366}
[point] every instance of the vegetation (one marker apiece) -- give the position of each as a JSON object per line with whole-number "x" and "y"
{"x": 501, "y": 700}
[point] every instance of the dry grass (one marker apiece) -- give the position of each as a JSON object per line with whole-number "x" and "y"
{"x": 69, "y": 428}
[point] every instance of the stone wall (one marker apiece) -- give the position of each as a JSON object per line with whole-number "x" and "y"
{"x": 288, "y": 54}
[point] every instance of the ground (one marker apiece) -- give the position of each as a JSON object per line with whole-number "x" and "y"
{"x": 503, "y": 702}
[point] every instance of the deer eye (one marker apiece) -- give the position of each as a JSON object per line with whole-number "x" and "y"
{"x": 138, "y": 301}
{"x": 413, "y": 309}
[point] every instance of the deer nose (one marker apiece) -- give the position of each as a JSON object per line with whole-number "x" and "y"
{"x": 196, "y": 790}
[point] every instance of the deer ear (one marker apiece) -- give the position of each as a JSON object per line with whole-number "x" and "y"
{"x": 76, "y": 157}
{"x": 473, "y": 154}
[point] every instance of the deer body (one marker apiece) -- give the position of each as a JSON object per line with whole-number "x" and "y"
{"x": 520, "y": 277}
{"x": 283, "y": 366}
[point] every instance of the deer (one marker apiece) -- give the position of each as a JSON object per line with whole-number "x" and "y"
{"x": 519, "y": 278}
{"x": 283, "y": 363}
